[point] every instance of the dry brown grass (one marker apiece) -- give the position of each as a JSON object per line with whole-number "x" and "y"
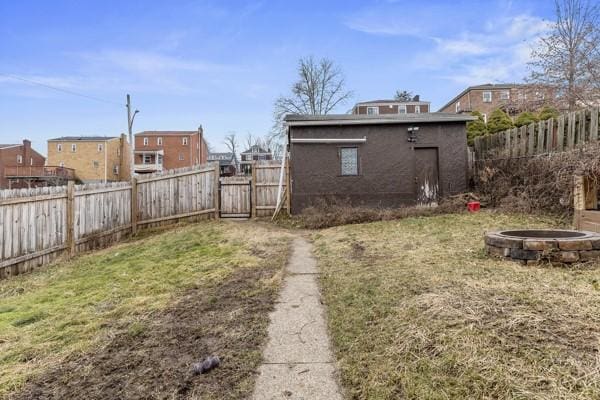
{"x": 327, "y": 213}
{"x": 417, "y": 311}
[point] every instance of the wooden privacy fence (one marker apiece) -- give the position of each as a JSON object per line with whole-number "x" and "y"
{"x": 553, "y": 135}
{"x": 38, "y": 225}
{"x": 585, "y": 198}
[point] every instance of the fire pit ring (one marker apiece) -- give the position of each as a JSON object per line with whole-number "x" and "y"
{"x": 535, "y": 245}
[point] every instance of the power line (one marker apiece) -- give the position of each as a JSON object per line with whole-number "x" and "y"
{"x": 60, "y": 89}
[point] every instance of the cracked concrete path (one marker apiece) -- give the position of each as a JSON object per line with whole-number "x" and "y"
{"x": 298, "y": 363}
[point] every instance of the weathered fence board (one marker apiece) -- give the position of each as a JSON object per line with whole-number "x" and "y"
{"x": 266, "y": 186}
{"x": 566, "y": 132}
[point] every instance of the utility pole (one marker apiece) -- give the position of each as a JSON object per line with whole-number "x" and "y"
{"x": 130, "y": 118}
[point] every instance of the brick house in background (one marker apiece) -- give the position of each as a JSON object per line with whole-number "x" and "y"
{"x": 16, "y": 164}
{"x": 377, "y": 107}
{"x": 254, "y": 153}
{"x": 513, "y": 98}
{"x": 163, "y": 150}
{"x": 93, "y": 158}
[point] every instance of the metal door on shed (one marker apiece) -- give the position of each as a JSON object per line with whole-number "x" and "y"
{"x": 426, "y": 176}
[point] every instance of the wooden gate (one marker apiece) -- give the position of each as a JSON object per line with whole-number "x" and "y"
{"x": 236, "y": 197}
{"x": 426, "y": 179}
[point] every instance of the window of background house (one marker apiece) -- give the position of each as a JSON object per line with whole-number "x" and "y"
{"x": 31, "y": 161}
{"x": 100, "y": 147}
{"x": 160, "y": 159}
{"x": 19, "y": 159}
{"x": 180, "y": 156}
{"x": 487, "y": 97}
{"x": 184, "y": 140}
{"x": 402, "y": 109}
{"x": 504, "y": 95}
{"x": 372, "y": 110}
{"x": 417, "y": 109}
{"x": 145, "y": 141}
{"x": 159, "y": 141}
{"x": 457, "y": 107}
{"x": 118, "y": 151}
{"x": 116, "y": 170}
{"x": 59, "y": 147}
{"x": 96, "y": 164}
{"x": 61, "y": 164}
{"x": 147, "y": 159}
{"x": 73, "y": 148}
{"x": 349, "y": 160}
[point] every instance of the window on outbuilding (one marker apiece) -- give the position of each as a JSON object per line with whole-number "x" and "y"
{"x": 349, "y": 161}
{"x": 59, "y": 147}
{"x": 73, "y": 147}
{"x": 372, "y": 110}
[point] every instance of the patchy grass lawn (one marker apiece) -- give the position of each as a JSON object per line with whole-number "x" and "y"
{"x": 128, "y": 321}
{"x": 417, "y": 311}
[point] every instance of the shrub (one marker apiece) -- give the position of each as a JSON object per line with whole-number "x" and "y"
{"x": 499, "y": 121}
{"x": 536, "y": 184}
{"x": 526, "y": 118}
{"x": 547, "y": 113}
{"x": 476, "y": 128}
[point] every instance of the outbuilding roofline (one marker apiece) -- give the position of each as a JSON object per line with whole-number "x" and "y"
{"x": 354, "y": 119}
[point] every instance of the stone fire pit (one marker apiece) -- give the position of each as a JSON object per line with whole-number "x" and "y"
{"x": 534, "y": 245}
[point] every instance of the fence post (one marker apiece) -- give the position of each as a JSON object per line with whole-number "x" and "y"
{"x": 134, "y": 205}
{"x": 253, "y": 190}
{"x": 288, "y": 184}
{"x": 71, "y": 218}
{"x": 216, "y": 191}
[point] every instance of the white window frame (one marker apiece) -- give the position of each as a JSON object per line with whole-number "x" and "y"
{"x": 96, "y": 164}
{"x": 376, "y": 110}
{"x": 61, "y": 164}
{"x": 100, "y": 147}
{"x": 19, "y": 159}
{"x": 417, "y": 109}
{"x": 402, "y": 109}
{"x": 59, "y": 147}
{"x": 457, "y": 107}
{"x": 484, "y": 117}
{"x": 181, "y": 157}
{"x": 116, "y": 170}
{"x": 184, "y": 140}
{"x": 73, "y": 147}
{"x": 505, "y": 95}
{"x": 485, "y": 94}
{"x": 145, "y": 141}
{"x": 147, "y": 159}
{"x": 159, "y": 141}
{"x": 31, "y": 161}
{"x": 341, "y": 151}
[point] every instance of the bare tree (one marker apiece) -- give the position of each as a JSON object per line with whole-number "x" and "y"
{"x": 231, "y": 143}
{"x": 319, "y": 90}
{"x": 568, "y": 59}
{"x": 403, "y": 95}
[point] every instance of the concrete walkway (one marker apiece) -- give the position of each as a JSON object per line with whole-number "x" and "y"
{"x": 298, "y": 363}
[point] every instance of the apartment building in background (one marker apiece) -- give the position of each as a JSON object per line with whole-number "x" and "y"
{"x": 513, "y": 98}
{"x": 382, "y": 107}
{"x": 93, "y": 158}
{"x": 19, "y": 163}
{"x": 164, "y": 150}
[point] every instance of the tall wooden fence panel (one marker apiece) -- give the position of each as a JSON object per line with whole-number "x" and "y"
{"x": 177, "y": 194}
{"x": 33, "y": 228}
{"x": 563, "y": 133}
{"x": 266, "y": 185}
{"x": 102, "y": 214}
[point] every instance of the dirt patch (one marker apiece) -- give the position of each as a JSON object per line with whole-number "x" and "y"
{"x": 152, "y": 358}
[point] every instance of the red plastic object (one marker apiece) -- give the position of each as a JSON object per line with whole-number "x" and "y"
{"x": 473, "y": 206}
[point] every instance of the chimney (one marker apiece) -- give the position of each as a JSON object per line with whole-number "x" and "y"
{"x": 416, "y": 98}
{"x": 200, "y": 144}
{"x": 26, "y": 151}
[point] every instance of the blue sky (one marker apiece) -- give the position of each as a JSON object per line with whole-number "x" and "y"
{"x": 222, "y": 63}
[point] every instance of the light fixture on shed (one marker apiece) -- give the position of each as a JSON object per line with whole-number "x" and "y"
{"x": 412, "y": 134}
